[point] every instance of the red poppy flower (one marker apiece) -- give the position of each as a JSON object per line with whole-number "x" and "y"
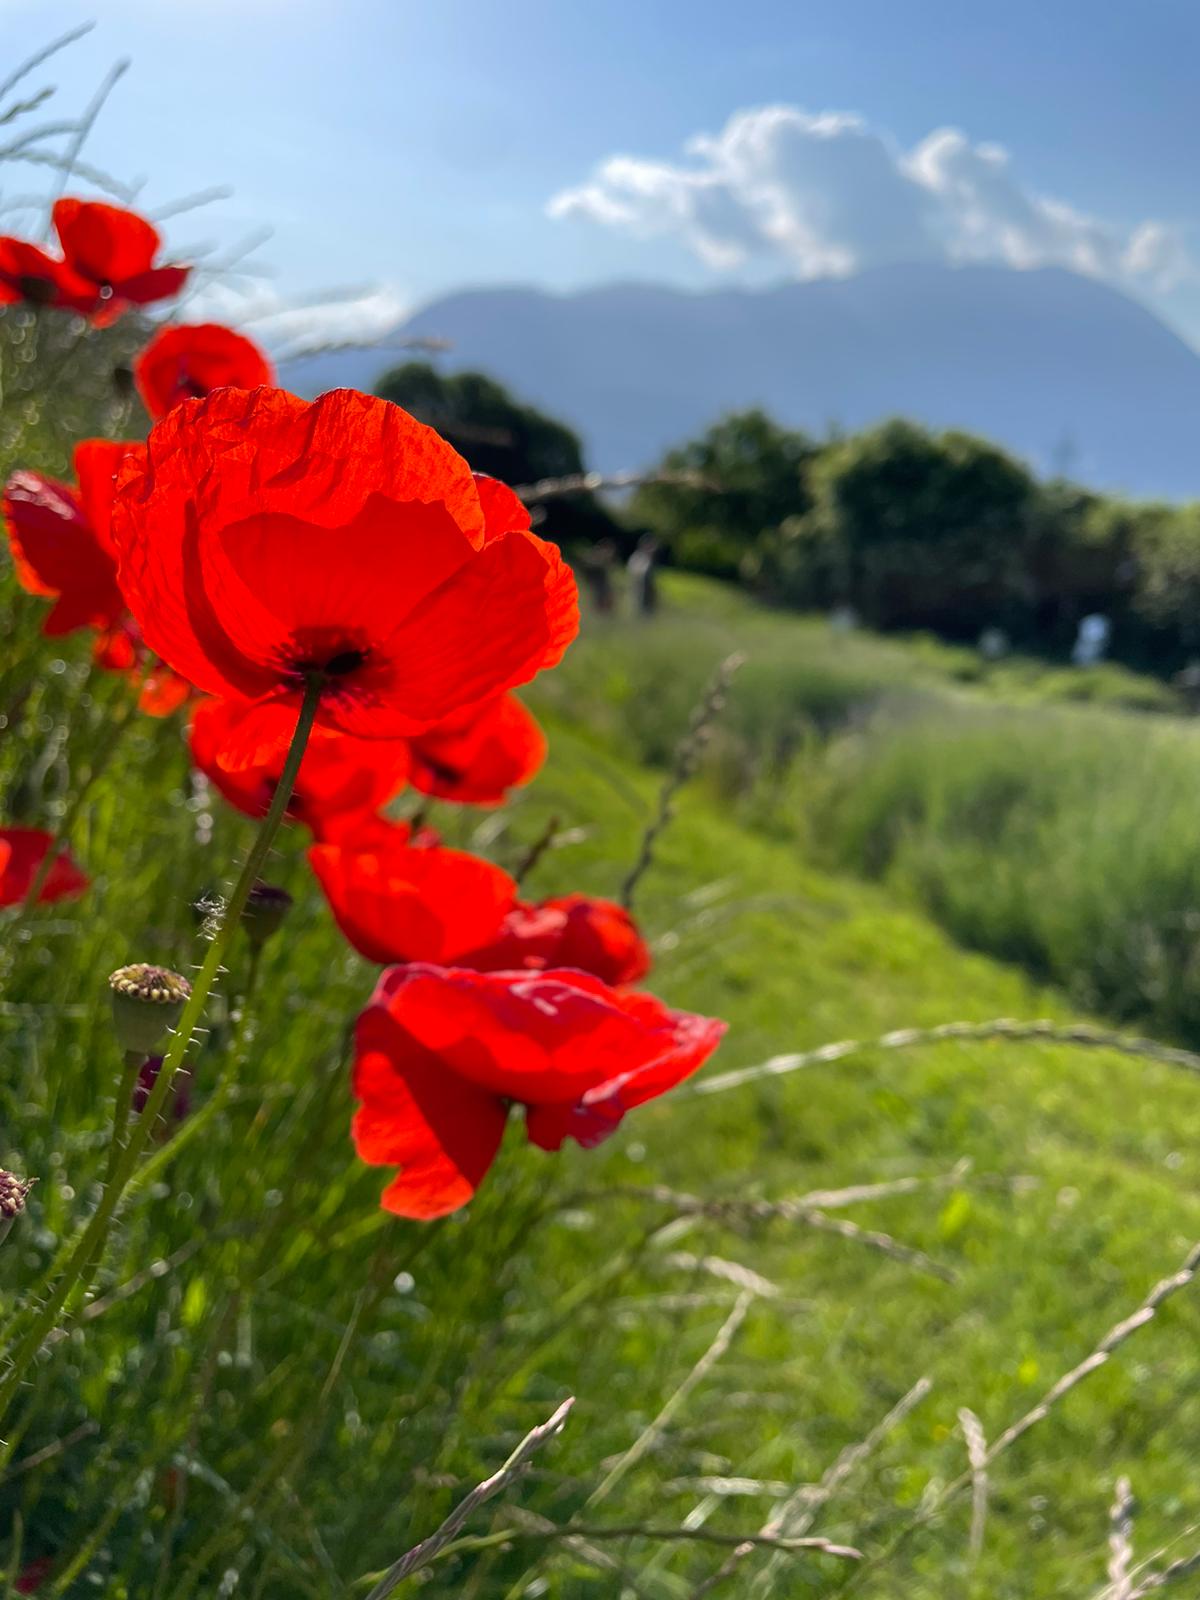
{"x": 400, "y": 900}
{"x": 61, "y": 537}
{"x": 440, "y": 1054}
{"x": 188, "y": 362}
{"x": 113, "y": 250}
{"x": 27, "y": 273}
{"x": 339, "y": 777}
{"x": 596, "y": 936}
{"x": 21, "y": 853}
{"x": 479, "y": 755}
{"x": 269, "y": 541}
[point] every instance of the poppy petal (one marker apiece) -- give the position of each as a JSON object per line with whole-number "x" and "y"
{"x": 160, "y": 283}
{"x": 55, "y": 552}
{"x": 444, "y": 661}
{"x": 24, "y": 849}
{"x": 477, "y": 757}
{"x": 190, "y": 360}
{"x": 382, "y": 510}
{"x": 403, "y": 902}
{"x": 444, "y": 1135}
{"x": 102, "y": 242}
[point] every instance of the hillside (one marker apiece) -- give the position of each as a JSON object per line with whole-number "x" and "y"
{"x": 1066, "y": 371}
{"x": 1052, "y": 1183}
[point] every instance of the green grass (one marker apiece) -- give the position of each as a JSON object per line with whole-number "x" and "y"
{"x": 1081, "y": 1191}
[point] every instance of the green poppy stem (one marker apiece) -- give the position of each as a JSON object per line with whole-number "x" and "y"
{"x": 89, "y": 1248}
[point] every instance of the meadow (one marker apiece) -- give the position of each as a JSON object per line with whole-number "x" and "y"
{"x": 327, "y": 1382}
{"x": 891, "y": 1297}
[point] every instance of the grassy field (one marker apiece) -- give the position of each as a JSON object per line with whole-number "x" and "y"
{"x": 326, "y": 1382}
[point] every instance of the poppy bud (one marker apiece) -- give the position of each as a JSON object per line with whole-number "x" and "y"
{"x": 147, "y": 1002}
{"x": 266, "y": 907}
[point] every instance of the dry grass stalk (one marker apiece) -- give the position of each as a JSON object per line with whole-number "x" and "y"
{"x": 977, "y": 1455}
{"x": 795, "y": 1517}
{"x": 593, "y": 482}
{"x": 687, "y": 759}
{"x": 425, "y": 1552}
{"x": 531, "y": 1523}
{"x": 1120, "y": 1542}
{"x": 653, "y": 1431}
{"x": 1099, "y": 1356}
{"x": 1040, "y": 1030}
{"x": 732, "y": 1210}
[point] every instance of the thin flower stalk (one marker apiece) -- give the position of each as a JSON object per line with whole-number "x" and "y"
{"x": 90, "y": 1245}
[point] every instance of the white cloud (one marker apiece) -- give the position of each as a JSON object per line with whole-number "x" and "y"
{"x": 291, "y": 327}
{"x": 827, "y": 194}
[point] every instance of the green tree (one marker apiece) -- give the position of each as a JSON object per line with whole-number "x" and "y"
{"x": 501, "y": 436}
{"x": 750, "y": 477}
{"x": 917, "y": 529}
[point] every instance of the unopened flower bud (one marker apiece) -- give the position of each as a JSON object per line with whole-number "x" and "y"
{"x": 266, "y": 907}
{"x": 147, "y": 1003}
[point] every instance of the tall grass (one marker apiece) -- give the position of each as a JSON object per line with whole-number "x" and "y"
{"x": 1066, "y": 841}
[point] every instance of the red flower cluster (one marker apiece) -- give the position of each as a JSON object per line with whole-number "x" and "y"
{"x": 441, "y": 1054}
{"x": 341, "y": 555}
{"x": 107, "y": 263}
{"x": 22, "y": 851}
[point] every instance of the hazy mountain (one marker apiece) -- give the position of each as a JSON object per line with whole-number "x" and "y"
{"x": 1067, "y": 371}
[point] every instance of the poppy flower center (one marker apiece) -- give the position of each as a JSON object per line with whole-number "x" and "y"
{"x": 345, "y": 661}
{"x": 326, "y": 655}
{"x": 38, "y": 291}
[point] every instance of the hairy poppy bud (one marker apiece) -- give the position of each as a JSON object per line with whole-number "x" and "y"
{"x": 266, "y": 907}
{"x": 147, "y": 1002}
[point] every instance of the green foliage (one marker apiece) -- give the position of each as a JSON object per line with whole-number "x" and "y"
{"x": 760, "y": 470}
{"x": 503, "y": 437}
{"x": 916, "y": 529}
{"x": 326, "y": 1382}
{"x": 1067, "y": 842}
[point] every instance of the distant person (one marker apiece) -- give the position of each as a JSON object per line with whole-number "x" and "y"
{"x": 1187, "y": 681}
{"x": 843, "y": 619}
{"x": 994, "y": 644}
{"x": 1091, "y": 644}
{"x": 643, "y": 585}
{"x": 597, "y": 564}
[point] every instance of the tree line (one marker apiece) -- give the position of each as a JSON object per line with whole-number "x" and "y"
{"x": 908, "y": 527}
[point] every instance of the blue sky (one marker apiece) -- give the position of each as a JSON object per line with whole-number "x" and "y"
{"x": 422, "y": 145}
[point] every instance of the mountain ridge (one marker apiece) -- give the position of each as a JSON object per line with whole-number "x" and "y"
{"x": 1064, "y": 370}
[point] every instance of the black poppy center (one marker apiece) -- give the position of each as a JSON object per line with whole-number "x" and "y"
{"x": 345, "y": 661}
{"x": 328, "y": 654}
{"x": 38, "y": 291}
